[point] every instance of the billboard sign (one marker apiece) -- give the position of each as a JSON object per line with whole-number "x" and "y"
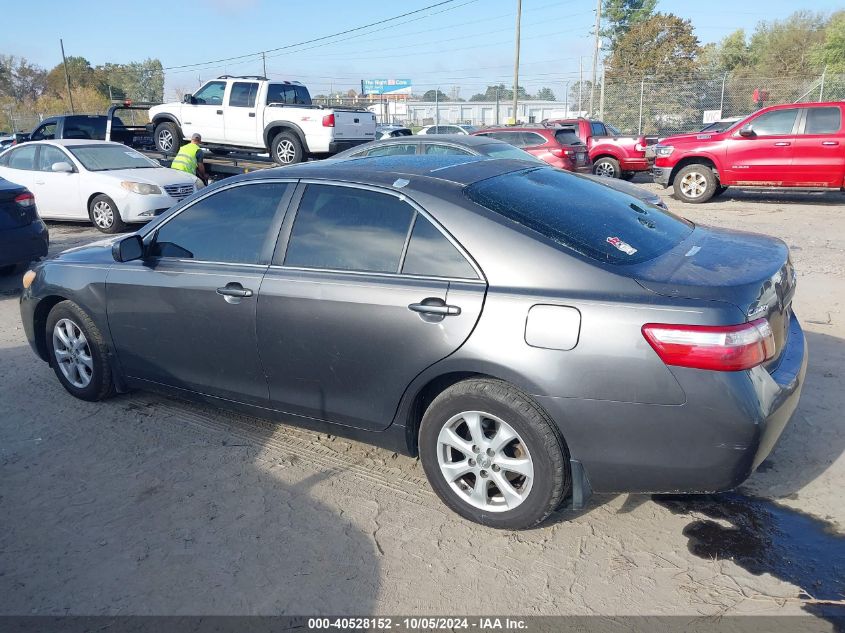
{"x": 386, "y": 86}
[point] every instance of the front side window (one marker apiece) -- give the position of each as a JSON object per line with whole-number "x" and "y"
{"x": 44, "y": 133}
{"x": 445, "y": 149}
{"x": 344, "y": 228}
{"x": 581, "y": 215}
{"x": 50, "y": 155}
{"x": 83, "y": 127}
{"x": 432, "y": 255}
{"x": 501, "y": 150}
{"x": 23, "y": 157}
{"x": 211, "y": 93}
{"x": 393, "y": 149}
{"x": 775, "y": 123}
{"x": 243, "y": 94}
{"x": 823, "y": 120}
{"x": 229, "y": 226}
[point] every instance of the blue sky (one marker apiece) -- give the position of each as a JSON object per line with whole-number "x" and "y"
{"x": 466, "y": 43}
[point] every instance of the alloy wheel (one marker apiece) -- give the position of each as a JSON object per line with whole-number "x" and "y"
{"x": 73, "y": 353}
{"x": 285, "y": 151}
{"x": 103, "y": 214}
{"x": 605, "y": 170}
{"x": 693, "y": 184}
{"x": 165, "y": 140}
{"x": 485, "y": 461}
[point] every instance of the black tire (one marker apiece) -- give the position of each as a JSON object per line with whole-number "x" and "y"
{"x": 168, "y": 138}
{"x": 719, "y": 191}
{"x": 104, "y": 215}
{"x": 695, "y": 184}
{"x": 286, "y": 149}
{"x": 540, "y": 436}
{"x": 100, "y": 385}
{"x": 628, "y": 175}
{"x": 608, "y": 167}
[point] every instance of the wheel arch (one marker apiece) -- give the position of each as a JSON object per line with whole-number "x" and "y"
{"x": 275, "y": 128}
{"x": 166, "y": 118}
{"x": 693, "y": 160}
{"x": 39, "y": 321}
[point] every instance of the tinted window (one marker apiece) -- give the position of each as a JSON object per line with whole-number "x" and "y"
{"x": 49, "y": 155}
{"x": 775, "y": 122}
{"x": 288, "y": 93}
{"x": 398, "y": 149}
{"x": 499, "y": 150}
{"x": 211, "y": 93}
{"x": 243, "y": 94}
{"x": 530, "y": 139}
{"x": 23, "y": 157}
{"x": 431, "y": 254}
{"x": 597, "y": 128}
{"x": 229, "y": 226}
{"x": 83, "y": 127}
{"x": 587, "y": 217}
{"x": 567, "y": 137}
{"x": 344, "y": 228}
{"x": 45, "y": 133}
{"x": 823, "y": 121}
{"x": 513, "y": 138}
{"x": 445, "y": 149}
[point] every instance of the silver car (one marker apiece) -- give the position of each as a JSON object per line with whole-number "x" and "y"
{"x": 531, "y": 335}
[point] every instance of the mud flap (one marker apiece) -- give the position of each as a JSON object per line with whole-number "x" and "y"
{"x": 581, "y": 489}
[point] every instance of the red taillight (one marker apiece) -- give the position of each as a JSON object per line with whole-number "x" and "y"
{"x": 561, "y": 152}
{"x": 25, "y": 199}
{"x": 720, "y": 348}
{"x": 328, "y": 120}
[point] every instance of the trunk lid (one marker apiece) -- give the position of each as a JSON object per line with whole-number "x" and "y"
{"x": 752, "y": 272}
{"x": 12, "y": 214}
{"x": 354, "y": 124}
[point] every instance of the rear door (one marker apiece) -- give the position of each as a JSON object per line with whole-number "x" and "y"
{"x": 185, "y": 316}
{"x": 364, "y": 293}
{"x": 765, "y": 158}
{"x": 239, "y": 117}
{"x": 819, "y": 159}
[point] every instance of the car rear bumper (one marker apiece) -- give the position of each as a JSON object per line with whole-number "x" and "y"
{"x": 24, "y": 244}
{"x": 728, "y": 425}
{"x": 336, "y": 147}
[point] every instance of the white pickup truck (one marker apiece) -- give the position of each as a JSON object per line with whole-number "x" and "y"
{"x": 256, "y": 114}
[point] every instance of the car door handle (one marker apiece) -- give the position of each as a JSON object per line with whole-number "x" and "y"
{"x": 39, "y": 182}
{"x": 234, "y": 290}
{"x": 438, "y": 309}
{"x": 252, "y": 114}
{"x": 830, "y": 142}
{"x": 782, "y": 144}
{"x": 220, "y": 112}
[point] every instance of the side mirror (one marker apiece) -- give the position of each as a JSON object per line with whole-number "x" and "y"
{"x": 62, "y": 167}
{"x": 188, "y": 98}
{"x": 747, "y": 131}
{"x": 128, "y": 249}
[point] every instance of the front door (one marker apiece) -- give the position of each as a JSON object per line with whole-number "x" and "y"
{"x": 765, "y": 157}
{"x": 57, "y": 193}
{"x": 185, "y": 315}
{"x": 349, "y": 315}
{"x": 205, "y": 115}
{"x": 239, "y": 118}
{"x": 820, "y": 148}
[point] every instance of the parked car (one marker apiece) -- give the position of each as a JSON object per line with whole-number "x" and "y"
{"x": 259, "y": 115}
{"x": 107, "y": 183}
{"x": 391, "y": 131}
{"x": 23, "y": 235}
{"x": 448, "y": 129}
{"x": 559, "y": 148}
{"x": 90, "y": 127}
{"x": 9, "y": 139}
{"x": 792, "y": 145}
{"x": 613, "y": 154}
{"x": 462, "y": 145}
{"x": 530, "y": 334}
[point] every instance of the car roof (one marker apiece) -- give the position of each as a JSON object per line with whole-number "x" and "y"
{"x": 458, "y": 139}
{"x": 520, "y": 128}
{"x": 75, "y": 142}
{"x": 386, "y": 170}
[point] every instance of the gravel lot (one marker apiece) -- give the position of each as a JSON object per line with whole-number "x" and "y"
{"x": 147, "y": 505}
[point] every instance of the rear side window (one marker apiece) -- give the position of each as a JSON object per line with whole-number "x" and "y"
{"x": 22, "y": 157}
{"x": 230, "y": 226}
{"x": 775, "y": 123}
{"x": 344, "y": 228}
{"x": 393, "y": 149}
{"x": 598, "y": 128}
{"x": 289, "y": 94}
{"x": 823, "y": 120}
{"x": 431, "y": 254}
{"x": 591, "y": 219}
{"x": 243, "y": 94}
{"x": 445, "y": 149}
{"x": 530, "y": 139}
{"x": 87, "y": 128}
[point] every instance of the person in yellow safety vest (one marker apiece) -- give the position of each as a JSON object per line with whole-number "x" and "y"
{"x": 189, "y": 159}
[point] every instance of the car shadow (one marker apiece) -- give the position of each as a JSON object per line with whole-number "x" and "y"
{"x": 114, "y": 508}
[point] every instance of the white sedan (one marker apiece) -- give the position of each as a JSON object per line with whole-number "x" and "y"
{"x": 109, "y": 183}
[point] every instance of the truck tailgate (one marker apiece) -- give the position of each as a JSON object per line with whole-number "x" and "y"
{"x": 354, "y": 124}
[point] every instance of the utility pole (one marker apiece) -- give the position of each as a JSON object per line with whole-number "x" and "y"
{"x": 580, "y": 84}
{"x": 595, "y": 57}
{"x": 601, "y": 95}
{"x": 437, "y": 105}
{"x": 497, "y": 105}
{"x": 264, "y": 63}
{"x": 821, "y": 88}
{"x": 566, "y": 100}
{"x": 516, "y": 61}
{"x": 67, "y": 76}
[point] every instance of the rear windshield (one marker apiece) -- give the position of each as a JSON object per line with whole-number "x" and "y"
{"x": 567, "y": 137}
{"x": 593, "y": 220}
{"x": 288, "y": 94}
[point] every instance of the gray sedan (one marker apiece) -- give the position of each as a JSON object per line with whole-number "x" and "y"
{"x": 463, "y": 145}
{"x": 531, "y": 335}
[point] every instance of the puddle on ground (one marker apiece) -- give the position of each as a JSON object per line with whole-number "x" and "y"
{"x": 764, "y": 537}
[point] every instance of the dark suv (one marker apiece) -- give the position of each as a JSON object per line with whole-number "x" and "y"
{"x": 559, "y": 148}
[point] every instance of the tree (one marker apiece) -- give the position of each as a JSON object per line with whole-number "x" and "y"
{"x": 733, "y": 51}
{"x": 505, "y": 94}
{"x": 81, "y": 73}
{"x": 831, "y": 51}
{"x": 545, "y": 94}
{"x": 580, "y": 89}
{"x": 20, "y": 80}
{"x": 782, "y": 48}
{"x": 663, "y": 46}
{"x": 139, "y": 81}
{"x": 435, "y": 95}
{"x": 620, "y": 15}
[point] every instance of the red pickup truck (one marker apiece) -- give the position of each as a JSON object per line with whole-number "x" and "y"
{"x": 612, "y": 154}
{"x": 799, "y": 145}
